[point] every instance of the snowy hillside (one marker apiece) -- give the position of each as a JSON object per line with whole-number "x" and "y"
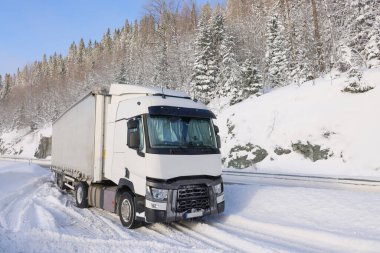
{"x": 286, "y": 124}
{"x": 283, "y": 126}
{"x": 24, "y": 142}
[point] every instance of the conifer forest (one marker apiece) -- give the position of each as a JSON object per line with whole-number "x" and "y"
{"x": 236, "y": 50}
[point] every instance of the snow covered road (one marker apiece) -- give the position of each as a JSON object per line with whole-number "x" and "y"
{"x": 267, "y": 216}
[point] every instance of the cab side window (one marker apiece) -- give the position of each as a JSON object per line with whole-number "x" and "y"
{"x": 135, "y": 134}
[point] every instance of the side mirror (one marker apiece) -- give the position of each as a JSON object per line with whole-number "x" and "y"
{"x": 218, "y": 141}
{"x": 133, "y": 140}
{"x": 216, "y": 129}
{"x": 133, "y": 123}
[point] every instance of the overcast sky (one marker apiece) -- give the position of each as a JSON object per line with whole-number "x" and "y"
{"x": 28, "y": 29}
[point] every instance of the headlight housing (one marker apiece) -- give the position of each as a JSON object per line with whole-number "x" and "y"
{"x": 218, "y": 189}
{"x": 157, "y": 194}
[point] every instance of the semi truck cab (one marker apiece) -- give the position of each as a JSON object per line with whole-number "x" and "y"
{"x": 157, "y": 160}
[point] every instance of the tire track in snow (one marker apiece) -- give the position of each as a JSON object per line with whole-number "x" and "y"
{"x": 321, "y": 241}
{"x": 265, "y": 240}
{"x": 209, "y": 239}
{"x": 14, "y": 206}
{"x": 41, "y": 206}
{"x": 232, "y": 241}
{"x": 183, "y": 237}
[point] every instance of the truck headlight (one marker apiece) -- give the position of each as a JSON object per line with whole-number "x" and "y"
{"x": 159, "y": 194}
{"x": 218, "y": 189}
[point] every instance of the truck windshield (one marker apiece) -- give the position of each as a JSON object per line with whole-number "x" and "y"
{"x": 181, "y": 132}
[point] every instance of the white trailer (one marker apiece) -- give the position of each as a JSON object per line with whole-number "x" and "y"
{"x": 147, "y": 154}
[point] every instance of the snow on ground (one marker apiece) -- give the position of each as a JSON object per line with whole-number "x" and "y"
{"x": 35, "y": 216}
{"x": 23, "y": 142}
{"x": 317, "y": 112}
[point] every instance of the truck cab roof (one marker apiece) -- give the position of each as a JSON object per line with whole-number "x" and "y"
{"x": 124, "y": 89}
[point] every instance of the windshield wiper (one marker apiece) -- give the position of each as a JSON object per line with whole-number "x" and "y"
{"x": 191, "y": 145}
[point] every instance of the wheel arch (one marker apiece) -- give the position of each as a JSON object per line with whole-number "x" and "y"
{"x": 124, "y": 186}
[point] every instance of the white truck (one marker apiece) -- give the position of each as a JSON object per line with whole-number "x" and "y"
{"x": 147, "y": 154}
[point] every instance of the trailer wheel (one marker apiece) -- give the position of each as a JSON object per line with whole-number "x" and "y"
{"x": 127, "y": 211}
{"x": 81, "y": 195}
{"x": 60, "y": 181}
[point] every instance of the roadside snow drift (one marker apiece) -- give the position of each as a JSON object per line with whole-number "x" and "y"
{"x": 35, "y": 216}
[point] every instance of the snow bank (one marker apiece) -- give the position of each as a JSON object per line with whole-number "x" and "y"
{"x": 316, "y": 112}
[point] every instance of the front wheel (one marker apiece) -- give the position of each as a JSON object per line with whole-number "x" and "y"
{"x": 81, "y": 195}
{"x": 127, "y": 211}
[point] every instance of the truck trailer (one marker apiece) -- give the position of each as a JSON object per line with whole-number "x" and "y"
{"x": 147, "y": 154}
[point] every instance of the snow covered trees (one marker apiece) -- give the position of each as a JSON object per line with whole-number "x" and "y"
{"x": 277, "y": 53}
{"x": 6, "y": 85}
{"x": 372, "y": 48}
{"x": 363, "y": 42}
{"x": 363, "y": 36}
{"x": 233, "y": 52}
{"x": 216, "y": 71}
{"x": 121, "y": 76}
{"x": 355, "y": 83}
{"x": 303, "y": 55}
{"x": 205, "y": 68}
{"x": 251, "y": 79}
{"x": 230, "y": 75}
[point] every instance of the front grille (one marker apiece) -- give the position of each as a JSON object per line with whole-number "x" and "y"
{"x": 192, "y": 196}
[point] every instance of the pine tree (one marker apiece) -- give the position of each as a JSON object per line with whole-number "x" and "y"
{"x": 217, "y": 29}
{"x": 45, "y": 66}
{"x": 61, "y": 67}
{"x": 205, "y": 69}
{"x": 251, "y": 79}
{"x": 218, "y": 36}
{"x": 230, "y": 71}
{"x": 121, "y": 76}
{"x": 305, "y": 60}
{"x": 372, "y": 48}
{"x": 7, "y": 85}
{"x": 193, "y": 17}
{"x": 277, "y": 53}
{"x": 81, "y": 51}
{"x": 107, "y": 40}
{"x": 72, "y": 56}
{"x": 362, "y": 20}
{"x": 163, "y": 77}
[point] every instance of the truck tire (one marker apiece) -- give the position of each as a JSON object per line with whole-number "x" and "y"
{"x": 60, "y": 181}
{"x": 81, "y": 195}
{"x": 126, "y": 210}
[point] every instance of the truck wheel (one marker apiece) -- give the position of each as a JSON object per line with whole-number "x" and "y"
{"x": 127, "y": 211}
{"x": 81, "y": 195}
{"x": 60, "y": 182}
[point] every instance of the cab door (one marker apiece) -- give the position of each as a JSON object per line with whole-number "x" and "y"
{"x": 128, "y": 160}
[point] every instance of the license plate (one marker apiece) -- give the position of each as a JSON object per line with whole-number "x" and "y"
{"x": 193, "y": 215}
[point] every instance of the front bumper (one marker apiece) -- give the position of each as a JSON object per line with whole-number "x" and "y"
{"x": 168, "y": 211}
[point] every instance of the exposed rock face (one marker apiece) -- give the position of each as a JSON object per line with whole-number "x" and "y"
{"x": 281, "y": 151}
{"x": 242, "y": 157}
{"x": 231, "y": 128}
{"x": 44, "y": 148}
{"x": 313, "y": 152}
